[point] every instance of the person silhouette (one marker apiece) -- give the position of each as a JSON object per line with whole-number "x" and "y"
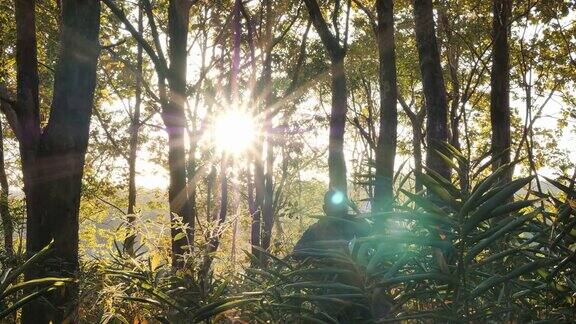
{"x": 337, "y": 228}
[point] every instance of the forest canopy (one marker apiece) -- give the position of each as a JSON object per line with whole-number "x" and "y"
{"x": 287, "y": 161}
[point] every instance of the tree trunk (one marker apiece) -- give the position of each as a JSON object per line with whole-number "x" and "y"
{"x": 256, "y": 226}
{"x": 433, "y": 85}
{"x": 28, "y": 115}
{"x": 267, "y": 207}
{"x": 336, "y": 161}
{"x": 233, "y": 97}
{"x": 55, "y": 168}
{"x": 417, "y": 149}
{"x": 175, "y": 121}
{"x": 7, "y": 226}
{"x": 259, "y": 185}
{"x": 455, "y": 109}
{"x": 500, "y": 86}
{"x": 386, "y": 148}
{"x": 134, "y": 131}
{"x": 268, "y": 210}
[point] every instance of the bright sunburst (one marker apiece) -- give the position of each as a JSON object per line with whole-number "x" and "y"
{"x": 234, "y": 132}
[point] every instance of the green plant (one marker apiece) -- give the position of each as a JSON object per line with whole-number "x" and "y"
{"x": 162, "y": 294}
{"x": 14, "y": 293}
{"x": 473, "y": 253}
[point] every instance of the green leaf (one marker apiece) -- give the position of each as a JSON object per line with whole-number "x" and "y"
{"x": 506, "y": 229}
{"x": 436, "y": 276}
{"x": 322, "y": 285}
{"x": 13, "y": 275}
{"x": 216, "y": 308}
{"x": 481, "y": 188}
{"x": 437, "y": 189}
{"x": 407, "y": 238}
{"x": 495, "y": 280}
{"x": 513, "y": 207}
{"x": 485, "y": 211}
{"x": 424, "y": 203}
{"x": 560, "y": 186}
{"x": 179, "y": 236}
{"x": 377, "y": 258}
{"x": 34, "y": 283}
{"x": 320, "y": 271}
{"x": 397, "y": 266}
{"x": 23, "y": 301}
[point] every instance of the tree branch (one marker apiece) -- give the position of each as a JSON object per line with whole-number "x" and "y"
{"x": 330, "y": 41}
{"x": 7, "y": 105}
{"x": 137, "y": 36}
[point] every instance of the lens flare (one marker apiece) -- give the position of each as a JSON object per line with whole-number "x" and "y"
{"x": 337, "y": 198}
{"x": 234, "y": 132}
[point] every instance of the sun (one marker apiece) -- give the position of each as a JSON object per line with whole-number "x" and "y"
{"x": 234, "y": 132}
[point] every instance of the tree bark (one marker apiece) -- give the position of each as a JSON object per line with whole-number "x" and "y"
{"x": 417, "y": 147}
{"x": 174, "y": 118}
{"x": 226, "y": 161}
{"x": 256, "y": 225}
{"x": 7, "y": 225}
{"x": 337, "y": 53}
{"x": 134, "y": 132}
{"x": 500, "y": 86}
{"x": 53, "y": 162}
{"x": 433, "y": 85}
{"x": 455, "y": 108}
{"x": 417, "y": 122}
{"x": 268, "y": 201}
{"x": 386, "y": 147}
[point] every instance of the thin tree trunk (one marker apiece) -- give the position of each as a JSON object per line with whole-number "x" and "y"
{"x": 455, "y": 110}
{"x": 267, "y": 207}
{"x": 28, "y": 116}
{"x": 257, "y": 200}
{"x": 336, "y": 161}
{"x": 268, "y": 211}
{"x": 433, "y": 84}
{"x": 259, "y": 185}
{"x": 386, "y": 148}
{"x": 7, "y": 225}
{"x": 175, "y": 120}
{"x": 500, "y": 86}
{"x": 256, "y": 225}
{"x": 417, "y": 150}
{"x": 435, "y": 94}
{"x": 134, "y": 131}
{"x": 417, "y": 122}
{"x": 55, "y": 168}
{"x": 214, "y": 241}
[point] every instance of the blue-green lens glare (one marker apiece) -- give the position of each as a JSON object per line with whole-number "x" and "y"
{"x": 337, "y": 198}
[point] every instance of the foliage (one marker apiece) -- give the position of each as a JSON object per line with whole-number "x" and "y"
{"x": 139, "y": 286}
{"x": 448, "y": 255}
{"x": 15, "y": 293}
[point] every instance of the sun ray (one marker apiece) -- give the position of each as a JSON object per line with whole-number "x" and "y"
{"x": 234, "y": 132}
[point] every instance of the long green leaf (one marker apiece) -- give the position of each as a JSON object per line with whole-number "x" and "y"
{"x": 322, "y": 285}
{"x": 481, "y": 188}
{"x": 34, "y": 283}
{"x": 436, "y": 276}
{"x": 485, "y": 210}
{"x": 23, "y": 301}
{"x": 507, "y": 229}
{"x": 28, "y": 263}
{"x": 495, "y": 280}
{"x": 208, "y": 311}
{"x": 424, "y": 203}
